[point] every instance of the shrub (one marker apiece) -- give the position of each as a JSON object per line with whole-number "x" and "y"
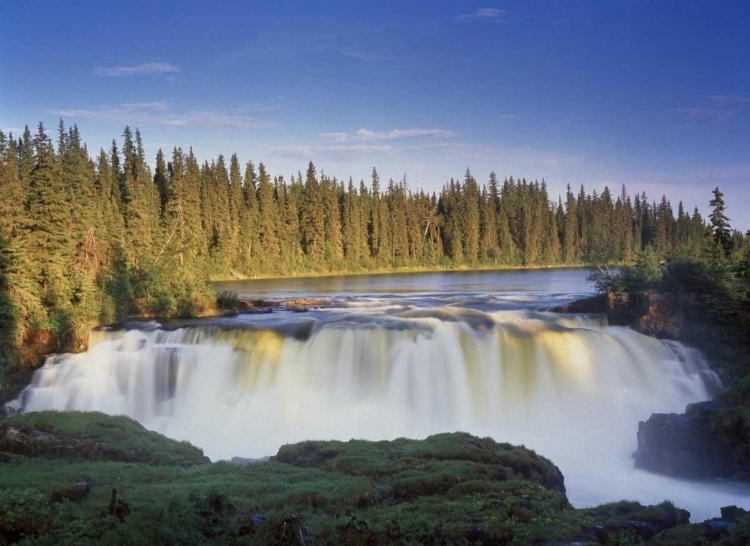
{"x": 227, "y": 301}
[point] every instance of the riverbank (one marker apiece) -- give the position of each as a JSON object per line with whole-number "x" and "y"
{"x": 91, "y": 478}
{"x": 709, "y": 440}
{"x": 397, "y": 271}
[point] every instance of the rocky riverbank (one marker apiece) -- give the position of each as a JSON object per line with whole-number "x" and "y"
{"x": 710, "y": 440}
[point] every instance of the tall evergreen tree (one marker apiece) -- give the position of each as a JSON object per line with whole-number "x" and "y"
{"x": 720, "y": 222}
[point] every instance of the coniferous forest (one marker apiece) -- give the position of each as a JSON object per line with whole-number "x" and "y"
{"x": 91, "y": 239}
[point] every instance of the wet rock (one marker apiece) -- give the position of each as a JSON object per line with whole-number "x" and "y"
{"x": 717, "y": 527}
{"x": 732, "y": 513}
{"x": 709, "y": 440}
{"x": 595, "y": 304}
{"x": 306, "y": 302}
{"x": 254, "y": 306}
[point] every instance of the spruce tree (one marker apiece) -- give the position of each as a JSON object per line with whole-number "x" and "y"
{"x": 720, "y": 227}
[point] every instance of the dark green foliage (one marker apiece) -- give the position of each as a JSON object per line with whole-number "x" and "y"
{"x": 446, "y": 489}
{"x": 720, "y": 222}
{"x": 92, "y": 436}
{"x": 227, "y": 301}
{"x": 94, "y": 242}
{"x": 8, "y": 313}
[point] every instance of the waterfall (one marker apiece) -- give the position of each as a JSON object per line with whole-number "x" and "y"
{"x": 569, "y": 387}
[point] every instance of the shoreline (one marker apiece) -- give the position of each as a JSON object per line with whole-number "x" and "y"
{"x": 400, "y": 271}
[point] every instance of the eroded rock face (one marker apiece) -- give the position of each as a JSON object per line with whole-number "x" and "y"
{"x": 660, "y": 314}
{"x": 651, "y": 312}
{"x": 709, "y": 440}
{"x": 293, "y": 304}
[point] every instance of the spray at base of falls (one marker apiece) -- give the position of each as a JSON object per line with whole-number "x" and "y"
{"x": 567, "y": 387}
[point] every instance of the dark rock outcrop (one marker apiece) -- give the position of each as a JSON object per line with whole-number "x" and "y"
{"x": 634, "y": 520}
{"x": 651, "y": 312}
{"x": 709, "y": 440}
{"x": 297, "y": 305}
{"x": 595, "y": 304}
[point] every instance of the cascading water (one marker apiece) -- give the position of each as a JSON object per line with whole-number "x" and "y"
{"x": 569, "y": 387}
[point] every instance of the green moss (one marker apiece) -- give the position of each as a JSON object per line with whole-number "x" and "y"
{"x": 446, "y": 489}
{"x": 93, "y": 436}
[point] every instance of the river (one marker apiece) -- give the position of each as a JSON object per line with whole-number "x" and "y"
{"x": 404, "y": 355}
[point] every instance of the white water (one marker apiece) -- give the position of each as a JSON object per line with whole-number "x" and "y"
{"x": 569, "y": 387}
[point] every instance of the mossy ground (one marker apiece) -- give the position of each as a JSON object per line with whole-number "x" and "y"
{"x": 446, "y": 489}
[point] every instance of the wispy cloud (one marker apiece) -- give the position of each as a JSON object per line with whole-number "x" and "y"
{"x": 508, "y": 117}
{"x": 499, "y": 155}
{"x": 146, "y": 69}
{"x": 158, "y": 106}
{"x": 260, "y": 106}
{"x": 720, "y": 108}
{"x": 371, "y": 57}
{"x": 159, "y": 113}
{"x": 365, "y": 135}
{"x": 730, "y": 100}
{"x": 483, "y": 13}
{"x": 691, "y": 114}
{"x": 333, "y": 152}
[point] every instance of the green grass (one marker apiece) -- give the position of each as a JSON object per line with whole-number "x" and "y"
{"x": 96, "y": 436}
{"x": 446, "y": 489}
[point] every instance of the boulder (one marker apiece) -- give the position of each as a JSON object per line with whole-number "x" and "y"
{"x": 594, "y": 304}
{"x": 707, "y": 441}
{"x": 651, "y": 312}
{"x": 306, "y": 303}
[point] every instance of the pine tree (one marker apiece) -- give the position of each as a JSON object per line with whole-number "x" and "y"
{"x": 268, "y": 220}
{"x": 470, "y": 219}
{"x": 313, "y": 219}
{"x": 12, "y": 210}
{"x": 334, "y": 250}
{"x": 8, "y": 312}
{"x": 161, "y": 180}
{"x": 251, "y": 241}
{"x": 720, "y": 222}
{"x": 48, "y": 222}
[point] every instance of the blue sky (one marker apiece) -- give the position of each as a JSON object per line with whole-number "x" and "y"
{"x": 654, "y": 95}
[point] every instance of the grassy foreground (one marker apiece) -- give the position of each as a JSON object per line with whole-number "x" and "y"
{"x": 88, "y": 478}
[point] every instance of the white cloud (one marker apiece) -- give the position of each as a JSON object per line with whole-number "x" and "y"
{"x": 364, "y": 56}
{"x": 146, "y": 69}
{"x": 333, "y": 152}
{"x": 498, "y": 155}
{"x": 692, "y": 114}
{"x": 483, "y": 13}
{"x": 365, "y": 135}
{"x": 160, "y": 106}
{"x": 260, "y": 106}
{"x": 730, "y": 99}
{"x": 159, "y": 113}
{"x": 507, "y": 117}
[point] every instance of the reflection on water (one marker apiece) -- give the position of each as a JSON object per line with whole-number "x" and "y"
{"x": 526, "y": 280}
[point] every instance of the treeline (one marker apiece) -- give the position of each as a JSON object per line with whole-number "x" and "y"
{"x": 89, "y": 240}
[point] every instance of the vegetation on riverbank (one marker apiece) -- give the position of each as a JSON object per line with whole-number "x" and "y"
{"x": 447, "y": 489}
{"x": 705, "y": 303}
{"x": 87, "y": 240}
